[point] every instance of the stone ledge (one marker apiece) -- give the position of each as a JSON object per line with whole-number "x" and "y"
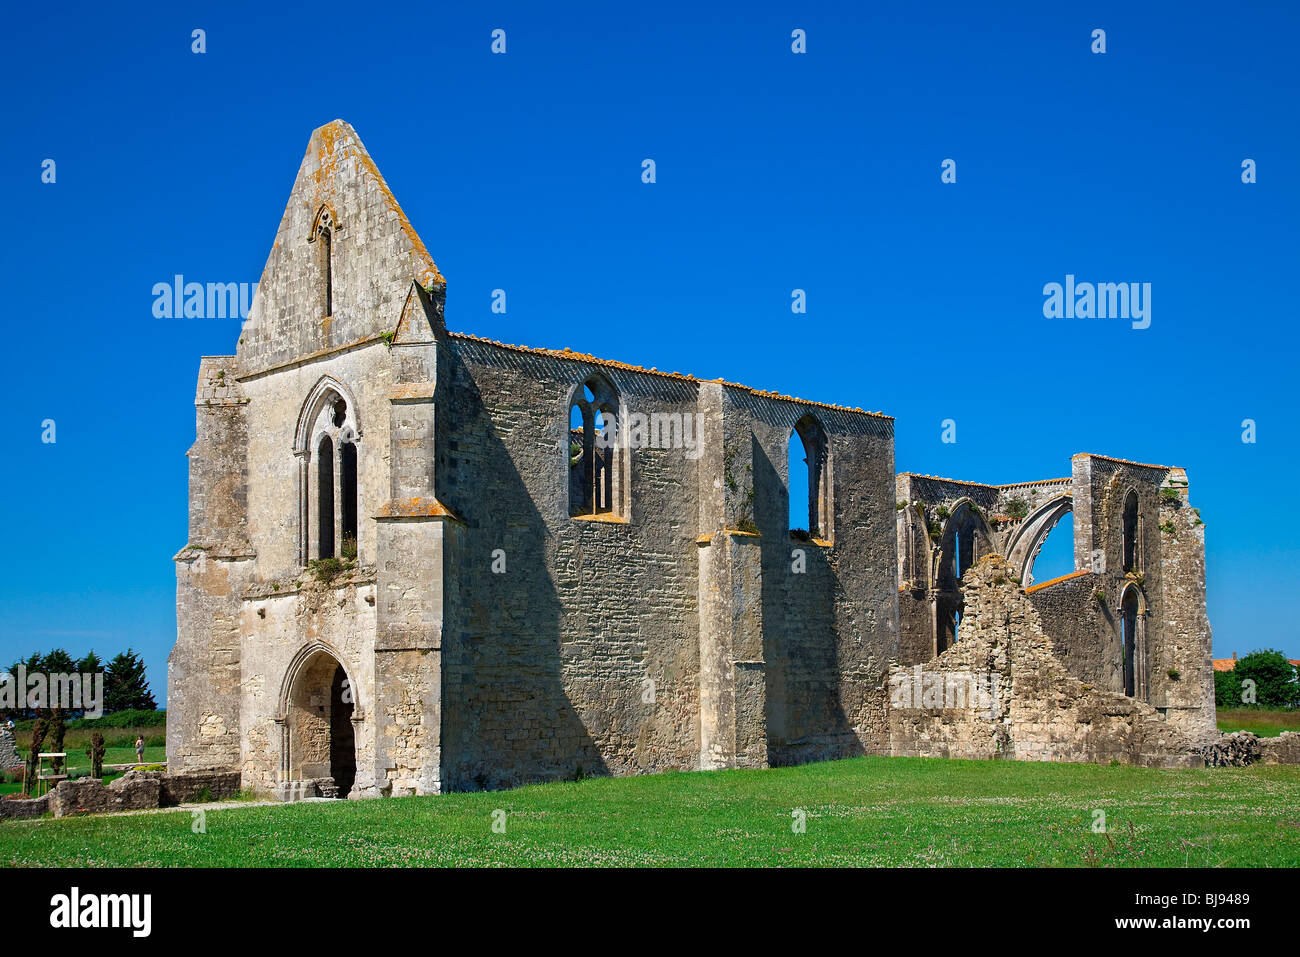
{"x": 415, "y": 508}
{"x": 358, "y": 576}
{"x": 226, "y": 551}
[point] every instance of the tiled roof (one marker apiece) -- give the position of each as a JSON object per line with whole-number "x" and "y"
{"x": 1056, "y": 581}
{"x": 1108, "y": 458}
{"x": 1229, "y": 664}
{"x": 615, "y": 364}
{"x": 940, "y": 478}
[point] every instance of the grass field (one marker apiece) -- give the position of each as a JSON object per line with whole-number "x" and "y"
{"x": 1265, "y": 723}
{"x": 864, "y": 811}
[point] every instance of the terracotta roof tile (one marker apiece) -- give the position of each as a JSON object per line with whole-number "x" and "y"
{"x": 614, "y": 364}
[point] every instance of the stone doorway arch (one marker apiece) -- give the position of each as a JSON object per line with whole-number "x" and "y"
{"x": 319, "y": 711}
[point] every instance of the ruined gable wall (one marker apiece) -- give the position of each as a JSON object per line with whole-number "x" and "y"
{"x": 544, "y": 664}
{"x": 1171, "y": 578}
{"x": 375, "y": 256}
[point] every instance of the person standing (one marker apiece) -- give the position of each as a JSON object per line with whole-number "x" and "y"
{"x": 139, "y": 750}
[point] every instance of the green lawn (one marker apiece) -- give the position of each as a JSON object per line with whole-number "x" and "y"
{"x": 1265, "y": 722}
{"x": 865, "y": 811}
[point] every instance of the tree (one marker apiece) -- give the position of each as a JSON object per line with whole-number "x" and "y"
{"x": 90, "y": 664}
{"x": 1227, "y": 689}
{"x": 58, "y": 662}
{"x": 125, "y": 686}
{"x": 1274, "y": 677}
{"x": 54, "y": 722}
{"x": 34, "y": 663}
{"x": 33, "y": 762}
{"x": 96, "y": 754}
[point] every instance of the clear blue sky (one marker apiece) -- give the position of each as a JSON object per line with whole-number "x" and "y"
{"x": 775, "y": 171}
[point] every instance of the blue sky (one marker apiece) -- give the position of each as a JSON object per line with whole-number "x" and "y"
{"x": 775, "y": 171}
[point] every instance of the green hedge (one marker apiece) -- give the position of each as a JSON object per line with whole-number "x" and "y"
{"x": 117, "y": 719}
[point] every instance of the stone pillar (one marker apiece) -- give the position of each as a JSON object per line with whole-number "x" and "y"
{"x": 417, "y": 546}
{"x": 733, "y": 668}
{"x": 304, "y": 505}
{"x": 212, "y": 571}
{"x": 1185, "y": 638}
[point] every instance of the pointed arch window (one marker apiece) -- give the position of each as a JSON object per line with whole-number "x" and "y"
{"x": 810, "y": 479}
{"x": 596, "y": 451}
{"x": 328, "y": 448}
{"x": 1131, "y": 533}
{"x": 325, "y": 498}
{"x": 322, "y": 236}
{"x": 1132, "y": 644}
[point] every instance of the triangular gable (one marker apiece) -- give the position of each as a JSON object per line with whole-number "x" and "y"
{"x": 373, "y": 254}
{"x": 421, "y": 319}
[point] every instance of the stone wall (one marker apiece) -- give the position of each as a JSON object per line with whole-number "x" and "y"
{"x": 1083, "y": 627}
{"x": 212, "y": 572}
{"x": 8, "y": 750}
{"x": 193, "y": 786}
{"x": 1283, "y": 749}
{"x": 667, "y": 637}
{"x": 133, "y": 791}
{"x": 21, "y": 809}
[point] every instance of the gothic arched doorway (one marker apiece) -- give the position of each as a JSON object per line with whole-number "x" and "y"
{"x": 320, "y": 741}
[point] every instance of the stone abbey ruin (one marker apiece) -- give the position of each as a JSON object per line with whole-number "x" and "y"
{"x": 414, "y": 566}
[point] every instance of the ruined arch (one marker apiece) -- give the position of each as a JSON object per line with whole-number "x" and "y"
{"x": 1027, "y": 540}
{"x": 966, "y": 538}
{"x": 596, "y": 450}
{"x": 319, "y": 707}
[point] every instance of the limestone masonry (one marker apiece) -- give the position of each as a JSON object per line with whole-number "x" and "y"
{"x": 422, "y": 561}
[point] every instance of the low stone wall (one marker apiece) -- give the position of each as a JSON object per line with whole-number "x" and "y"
{"x": 133, "y": 791}
{"x": 1241, "y": 748}
{"x": 188, "y": 787}
{"x": 141, "y": 790}
{"x": 23, "y": 808}
{"x": 1284, "y": 749}
{"x": 1235, "y": 750}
